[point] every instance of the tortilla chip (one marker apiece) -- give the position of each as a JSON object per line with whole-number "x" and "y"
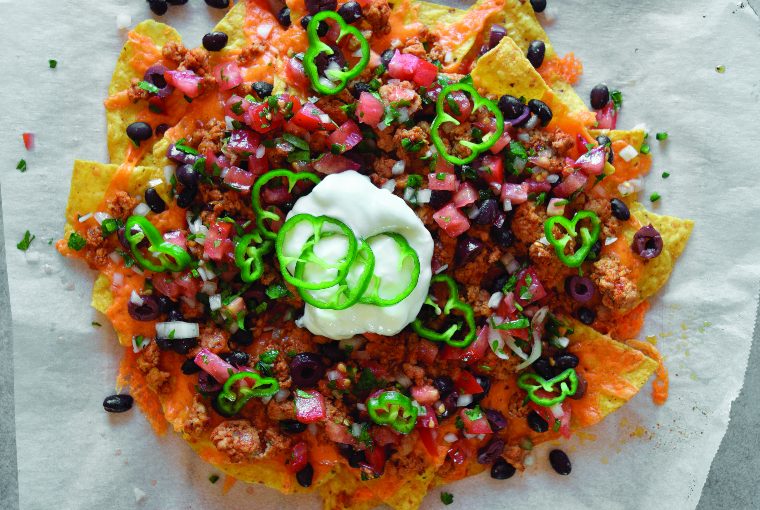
{"x": 614, "y": 372}
{"x": 566, "y": 93}
{"x": 505, "y": 70}
{"x": 634, "y": 137}
{"x": 233, "y": 25}
{"x": 124, "y": 73}
{"x": 434, "y": 15}
{"x": 345, "y": 492}
{"x": 101, "y": 294}
{"x": 89, "y": 182}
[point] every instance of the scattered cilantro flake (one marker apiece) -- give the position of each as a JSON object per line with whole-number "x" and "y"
{"x": 295, "y": 141}
{"x": 617, "y": 98}
{"x": 663, "y": 135}
{"x": 644, "y": 148}
{"x": 96, "y": 324}
{"x": 665, "y": 175}
{"x": 52, "y": 63}
{"x": 299, "y": 155}
{"x": 21, "y": 167}
{"x": 277, "y": 290}
{"x": 654, "y": 197}
{"x": 76, "y": 242}
{"x": 269, "y": 356}
{"x": 182, "y": 147}
{"x": 109, "y": 226}
{"x": 171, "y": 334}
{"x": 720, "y": 69}
{"x": 302, "y": 394}
{"x": 148, "y": 87}
{"x": 447, "y": 498}
{"x": 414, "y": 181}
{"x": 213, "y": 478}
{"x": 459, "y": 423}
{"x": 510, "y": 284}
{"x": 23, "y": 245}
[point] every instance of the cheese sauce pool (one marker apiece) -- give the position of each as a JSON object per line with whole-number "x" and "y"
{"x": 368, "y": 211}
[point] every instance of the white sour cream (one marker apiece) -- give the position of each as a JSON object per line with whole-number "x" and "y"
{"x": 368, "y": 211}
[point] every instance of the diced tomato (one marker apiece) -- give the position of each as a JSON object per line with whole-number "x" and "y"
{"x": 177, "y": 238}
{"x": 606, "y": 118}
{"x": 234, "y": 307}
{"x": 425, "y": 394}
{"x": 188, "y": 286}
{"x": 295, "y": 74}
{"x": 288, "y": 104}
{"x": 333, "y": 164}
{"x": 28, "y": 140}
{"x": 258, "y": 166}
{"x": 262, "y": 119}
{"x": 516, "y": 193}
{"x": 239, "y": 179}
{"x": 186, "y": 82}
{"x": 537, "y": 186}
{"x": 443, "y": 166}
{"x": 451, "y": 220}
{"x": 467, "y": 384}
{"x": 426, "y": 352}
{"x": 507, "y": 305}
{"x": 564, "y": 425}
{"x": 227, "y": 75}
{"x": 570, "y": 184}
{"x": 491, "y": 170}
{"x": 272, "y": 195}
{"x": 339, "y": 433}
{"x": 425, "y": 73}
{"x": 406, "y": 66}
{"x": 299, "y": 457}
{"x": 347, "y": 136}
{"x": 458, "y": 105}
{"x": 166, "y": 285}
{"x": 429, "y": 420}
{"x": 370, "y": 109}
{"x": 310, "y": 117}
{"x": 465, "y": 195}
{"x": 528, "y": 288}
{"x": 376, "y": 458}
{"x": 475, "y": 422}
{"x": 592, "y": 162}
{"x": 235, "y": 107}
{"x": 470, "y": 354}
{"x": 243, "y": 141}
{"x": 310, "y": 406}
{"x": 384, "y": 435}
{"x": 456, "y": 454}
{"x": 502, "y": 142}
{"x": 443, "y": 182}
{"x": 217, "y": 243}
{"x": 429, "y": 438}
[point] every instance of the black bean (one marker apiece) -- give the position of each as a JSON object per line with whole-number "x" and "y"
{"x": 218, "y": 4}
{"x": 503, "y": 236}
{"x": 321, "y": 29}
{"x": 604, "y": 141}
{"x": 154, "y": 201}
{"x": 359, "y": 87}
{"x": 165, "y": 303}
{"x": 189, "y": 367}
{"x": 332, "y": 351}
{"x": 467, "y": 249}
{"x": 566, "y": 360}
{"x": 536, "y": 52}
{"x": 586, "y": 315}
{"x": 161, "y": 129}
{"x": 560, "y": 462}
{"x": 315, "y": 6}
{"x": 600, "y": 96}
{"x": 175, "y": 315}
{"x": 215, "y": 41}
{"x": 139, "y": 132}
{"x": 242, "y": 337}
{"x": 164, "y": 344}
{"x": 187, "y": 176}
{"x": 444, "y": 384}
{"x": 386, "y": 56}
{"x": 306, "y": 369}
{"x": 538, "y": 5}
{"x": 501, "y": 469}
{"x": 237, "y": 358}
{"x": 619, "y": 209}
{"x": 487, "y": 212}
{"x": 118, "y": 403}
{"x": 595, "y": 251}
{"x": 496, "y": 419}
{"x": 543, "y": 368}
{"x": 262, "y": 89}
{"x": 305, "y": 476}
{"x": 283, "y": 16}
{"x": 511, "y": 107}
{"x": 149, "y": 310}
{"x": 491, "y": 451}
{"x": 183, "y": 345}
{"x": 449, "y": 405}
{"x": 536, "y": 422}
{"x": 292, "y": 426}
{"x": 541, "y": 110}
{"x": 186, "y": 196}
{"x": 351, "y": 12}
{"x": 159, "y": 7}
{"x": 177, "y": 2}
{"x": 439, "y": 198}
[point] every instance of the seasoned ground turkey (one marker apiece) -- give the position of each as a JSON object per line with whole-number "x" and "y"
{"x": 614, "y": 283}
{"x": 224, "y": 202}
{"x": 149, "y": 357}
{"x": 120, "y": 206}
{"x": 197, "y": 418}
{"x": 193, "y": 60}
{"x": 249, "y": 53}
{"x": 95, "y": 242}
{"x": 415, "y": 135}
{"x": 377, "y": 14}
{"x": 213, "y": 338}
{"x": 551, "y": 271}
{"x": 238, "y": 439}
{"x": 135, "y": 93}
{"x": 207, "y": 136}
{"x": 157, "y": 379}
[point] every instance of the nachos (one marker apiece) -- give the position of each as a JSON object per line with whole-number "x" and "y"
{"x": 369, "y": 248}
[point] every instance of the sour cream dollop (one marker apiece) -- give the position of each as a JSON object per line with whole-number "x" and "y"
{"x": 368, "y": 211}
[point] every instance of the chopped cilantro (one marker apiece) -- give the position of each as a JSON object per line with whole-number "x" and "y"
{"x": 367, "y": 383}
{"x": 541, "y": 198}
{"x": 453, "y": 105}
{"x": 516, "y": 150}
{"x": 109, "y": 226}
{"x": 52, "y": 63}
{"x": 473, "y": 414}
{"x": 237, "y": 108}
{"x": 299, "y": 155}
{"x": 410, "y": 146}
{"x": 459, "y": 423}
{"x": 663, "y": 135}
{"x": 277, "y": 290}
{"x": 21, "y": 167}
{"x": 23, "y": 245}
{"x": 182, "y": 147}
{"x": 171, "y": 334}
{"x": 510, "y": 284}
{"x": 96, "y": 324}
{"x": 665, "y": 175}
{"x": 261, "y": 308}
{"x": 617, "y": 98}
{"x": 213, "y": 478}
{"x": 269, "y": 356}
{"x": 76, "y": 242}
{"x": 129, "y": 261}
{"x": 441, "y": 176}
{"x": 414, "y": 181}
{"x": 148, "y": 87}
{"x": 337, "y": 148}
{"x": 447, "y": 498}
{"x": 644, "y": 148}
{"x": 654, "y": 197}
{"x": 295, "y": 141}
{"x": 302, "y": 394}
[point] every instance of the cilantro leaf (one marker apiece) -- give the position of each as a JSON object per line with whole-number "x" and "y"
{"x": 21, "y": 167}
{"x": 447, "y": 498}
{"x": 76, "y": 242}
{"x": 23, "y": 245}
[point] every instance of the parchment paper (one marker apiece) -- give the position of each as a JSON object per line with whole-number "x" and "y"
{"x": 663, "y": 55}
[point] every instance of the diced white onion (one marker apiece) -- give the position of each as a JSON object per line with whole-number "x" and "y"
{"x": 495, "y": 299}
{"x": 181, "y": 329}
{"x": 523, "y": 137}
{"x": 442, "y": 269}
{"x": 215, "y": 302}
{"x": 208, "y": 288}
{"x": 556, "y": 207}
{"x": 562, "y": 341}
{"x": 641, "y": 126}
{"x": 313, "y": 99}
{"x": 451, "y": 437}
{"x": 169, "y": 172}
{"x": 115, "y": 257}
{"x": 496, "y": 343}
{"x": 324, "y": 118}
{"x": 424, "y": 196}
{"x": 202, "y": 273}
{"x": 155, "y": 182}
{"x": 264, "y": 30}
{"x": 403, "y": 114}
{"x": 325, "y": 82}
{"x": 356, "y": 429}
{"x": 361, "y": 407}
{"x": 629, "y": 187}
{"x": 609, "y": 241}
{"x": 100, "y": 217}
{"x": 529, "y": 460}
{"x": 448, "y": 57}
{"x": 123, "y": 20}
{"x": 84, "y": 218}
{"x": 137, "y": 270}
{"x": 389, "y": 185}
{"x": 544, "y": 241}
{"x": 507, "y": 205}
{"x": 281, "y": 395}
{"x": 135, "y": 299}
{"x": 333, "y": 375}
{"x": 532, "y": 122}
{"x": 628, "y": 153}
{"x": 143, "y": 344}
{"x": 117, "y": 279}
{"x": 552, "y": 178}
{"x": 357, "y": 53}
{"x": 395, "y": 43}
{"x": 464, "y": 400}
{"x": 472, "y": 212}
{"x": 224, "y": 172}
{"x": 141, "y": 209}
{"x": 510, "y": 341}
{"x": 352, "y": 343}
{"x": 398, "y": 167}
{"x": 403, "y": 380}
{"x": 381, "y": 126}
{"x": 265, "y": 400}
{"x": 409, "y": 194}
{"x": 260, "y": 151}
{"x": 535, "y": 353}
{"x": 557, "y": 411}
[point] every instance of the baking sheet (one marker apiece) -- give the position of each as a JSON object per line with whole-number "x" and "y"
{"x": 663, "y": 55}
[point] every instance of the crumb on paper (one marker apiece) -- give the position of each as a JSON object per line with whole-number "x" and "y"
{"x": 123, "y": 21}
{"x": 139, "y": 495}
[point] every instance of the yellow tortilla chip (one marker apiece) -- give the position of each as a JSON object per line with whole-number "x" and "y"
{"x": 523, "y": 26}
{"x": 124, "y": 73}
{"x": 566, "y": 93}
{"x": 101, "y": 294}
{"x": 634, "y": 137}
{"x": 233, "y": 25}
{"x": 505, "y": 70}
{"x": 433, "y": 15}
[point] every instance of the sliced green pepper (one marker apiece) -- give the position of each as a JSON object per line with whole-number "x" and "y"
{"x": 441, "y": 117}
{"x": 393, "y": 409}
{"x": 587, "y": 238}
{"x": 170, "y": 257}
{"x": 453, "y": 303}
{"x": 317, "y": 47}
{"x": 307, "y": 255}
{"x": 231, "y": 400}
{"x": 406, "y": 252}
{"x": 248, "y": 256}
{"x": 532, "y": 383}
{"x": 347, "y": 294}
{"x": 261, "y": 213}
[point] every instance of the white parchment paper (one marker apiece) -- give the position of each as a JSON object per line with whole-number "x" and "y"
{"x": 663, "y": 55}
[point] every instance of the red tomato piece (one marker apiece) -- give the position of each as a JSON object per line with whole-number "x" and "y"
{"x": 28, "y": 140}
{"x": 347, "y": 136}
{"x": 370, "y": 109}
{"x": 491, "y": 169}
{"x": 451, "y": 220}
{"x": 310, "y": 406}
{"x": 528, "y": 288}
{"x": 429, "y": 439}
{"x": 475, "y": 422}
{"x": 310, "y": 117}
{"x": 227, "y": 75}
{"x": 217, "y": 243}
{"x": 239, "y": 179}
{"x": 443, "y": 182}
{"x": 467, "y": 384}
{"x": 299, "y": 457}
{"x": 262, "y": 119}
{"x": 295, "y": 74}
